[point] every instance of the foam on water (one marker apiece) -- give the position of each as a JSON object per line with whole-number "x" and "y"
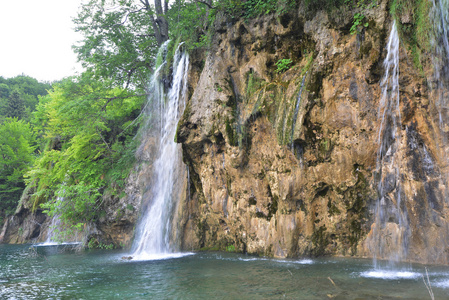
{"x": 251, "y": 259}
{"x": 160, "y": 256}
{"x": 300, "y": 262}
{"x": 56, "y": 244}
{"x": 444, "y": 284}
{"x": 390, "y": 275}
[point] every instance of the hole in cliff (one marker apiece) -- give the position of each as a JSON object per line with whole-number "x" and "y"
{"x": 260, "y": 214}
{"x": 285, "y": 20}
{"x": 300, "y": 205}
{"x": 252, "y": 200}
{"x": 321, "y": 190}
{"x": 220, "y": 141}
{"x": 242, "y": 30}
{"x": 298, "y": 147}
{"x": 36, "y": 232}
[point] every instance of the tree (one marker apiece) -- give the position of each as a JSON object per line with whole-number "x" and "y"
{"x": 4, "y": 90}
{"x": 17, "y": 146}
{"x": 159, "y": 22}
{"x": 29, "y": 89}
{"x": 15, "y": 107}
{"x": 121, "y": 38}
{"x": 19, "y": 96}
{"x": 90, "y": 130}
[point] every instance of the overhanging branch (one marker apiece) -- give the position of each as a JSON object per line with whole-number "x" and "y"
{"x": 207, "y": 4}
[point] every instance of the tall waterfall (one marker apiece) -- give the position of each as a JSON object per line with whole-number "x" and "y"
{"x": 152, "y": 238}
{"x": 391, "y": 229}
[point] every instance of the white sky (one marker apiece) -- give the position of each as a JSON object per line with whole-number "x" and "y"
{"x": 36, "y": 38}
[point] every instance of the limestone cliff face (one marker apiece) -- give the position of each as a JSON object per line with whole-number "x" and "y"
{"x": 284, "y": 163}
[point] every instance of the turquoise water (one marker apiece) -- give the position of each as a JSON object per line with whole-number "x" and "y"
{"x": 56, "y": 272}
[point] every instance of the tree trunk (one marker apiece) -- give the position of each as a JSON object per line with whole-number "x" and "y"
{"x": 160, "y": 24}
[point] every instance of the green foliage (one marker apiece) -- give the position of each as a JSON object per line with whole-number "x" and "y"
{"x": 417, "y": 30}
{"x": 119, "y": 43}
{"x": 91, "y": 127}
{"x": 15, "y": 107}
{"x": 189, "y": 23}
{"x": 308, "y": 64}
{"x": 283, "y": 65}
{"x": 230, "y": 8}
{"x": 19, "y": 96}
{"x": 232, "y": 135}
{"x": 17, "y": 146}
{"x": 255, "y": 8}
{"x": 230, "y": 248}
{"x": 315, "y": 5}
{"x": 359, "y": 20}
{"x": 254, "y": 84}
{"x": 95, "y": 244}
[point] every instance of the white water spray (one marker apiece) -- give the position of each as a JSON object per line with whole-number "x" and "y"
{"x": 152, "y": 239}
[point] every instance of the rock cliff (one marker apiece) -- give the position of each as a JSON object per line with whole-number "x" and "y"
{"x": 284, "y": 163}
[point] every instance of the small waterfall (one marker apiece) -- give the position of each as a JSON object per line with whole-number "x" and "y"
{"x": 295, "y": 117}
{"x": 152, "y": 238}
{"x": 391, "y": 230}
{"x": 54, "y": 236}
{"x": 51, "y": 233}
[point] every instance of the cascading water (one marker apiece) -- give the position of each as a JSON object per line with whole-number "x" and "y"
{"x": 54, "y": 236}
{"x": 152, "y": 238}
{"x": 51, "y": 233}
{"x": 391, "y": 230}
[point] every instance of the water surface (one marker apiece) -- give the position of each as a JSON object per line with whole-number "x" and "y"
{"x": 56, "y": 272}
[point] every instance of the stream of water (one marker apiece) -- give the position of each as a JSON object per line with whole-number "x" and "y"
{"x": 391, "y": 229}
{"x": 152, "y": 238}
{"x": 56, "y": 272}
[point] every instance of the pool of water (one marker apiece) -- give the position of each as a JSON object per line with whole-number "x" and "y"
{"x": 57, "y": 272}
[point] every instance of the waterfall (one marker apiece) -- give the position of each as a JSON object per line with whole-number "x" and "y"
{"x": 152, "y": 238}
{"x": 51, "y": 233}
{"x": 391, "y": 230}
{"x": 295, "y": 116}
{"x": 54, "y": 236}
